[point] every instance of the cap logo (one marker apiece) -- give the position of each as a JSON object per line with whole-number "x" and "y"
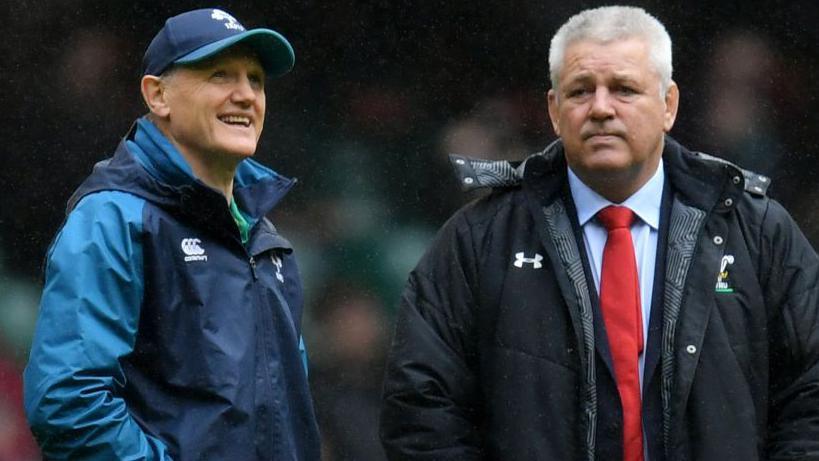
{"x": 230, "y": 21}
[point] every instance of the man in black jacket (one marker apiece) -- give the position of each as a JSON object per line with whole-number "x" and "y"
{"x": 533, "y": 329}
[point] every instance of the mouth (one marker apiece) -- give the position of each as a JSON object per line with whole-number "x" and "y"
{"x": 602, "y": 135}
{"x": 235, "y": 120}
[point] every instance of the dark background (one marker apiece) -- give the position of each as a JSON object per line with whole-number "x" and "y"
{"x": 380, "y": 92}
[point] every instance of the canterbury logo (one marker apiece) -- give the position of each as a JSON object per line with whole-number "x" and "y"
{"x": 231, "y": 22}
{"x": 520, "y": 260}
{"x": 192, "y": 250}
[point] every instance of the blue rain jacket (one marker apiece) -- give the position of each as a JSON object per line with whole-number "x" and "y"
{"x": 160, "y": 335}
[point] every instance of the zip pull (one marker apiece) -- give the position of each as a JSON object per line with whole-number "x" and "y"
{"x": 252, "y": 262}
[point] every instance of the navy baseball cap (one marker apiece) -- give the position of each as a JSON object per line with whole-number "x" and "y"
{"x": 199, "y": 34}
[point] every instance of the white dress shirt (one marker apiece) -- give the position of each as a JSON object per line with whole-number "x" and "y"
{"x": 645, "y": 203}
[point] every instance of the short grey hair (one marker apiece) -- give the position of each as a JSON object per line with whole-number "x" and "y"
{"x": 611, "y": 23}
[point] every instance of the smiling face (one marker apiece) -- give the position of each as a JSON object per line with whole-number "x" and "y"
{"x": 213, "y": 111}
{"x": 610, "y": 115}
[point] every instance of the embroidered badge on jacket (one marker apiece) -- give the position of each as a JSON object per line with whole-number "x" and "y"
{"x": 723, "y": 284}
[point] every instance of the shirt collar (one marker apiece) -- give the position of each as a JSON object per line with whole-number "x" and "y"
{"x": 645, "y": 203}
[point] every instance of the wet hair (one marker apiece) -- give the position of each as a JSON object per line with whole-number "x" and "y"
{"x": 612, "y": 23}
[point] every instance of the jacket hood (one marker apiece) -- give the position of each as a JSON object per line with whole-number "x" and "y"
{"x": 147, "y": 165}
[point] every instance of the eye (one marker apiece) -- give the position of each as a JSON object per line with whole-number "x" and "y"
{"x": 577, "y": 92}
{"x": 626, "y": 90}
{"x": 256, "y": 80}
{"x": 218, "y": 74}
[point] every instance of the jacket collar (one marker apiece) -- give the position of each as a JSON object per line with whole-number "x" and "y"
{"x": 645, "y": 203}
{"x": 147, "y": 165}
{"x": 698, "y": 180}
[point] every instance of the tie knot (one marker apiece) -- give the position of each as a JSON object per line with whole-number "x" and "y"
{"x": 615, "y": 217}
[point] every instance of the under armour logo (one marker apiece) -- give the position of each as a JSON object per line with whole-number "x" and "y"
{"x": 231, "y": 23}
{"x": 192, "y": 250}
{"x": 535, "y": 262}
{"x": 278, "y": 262}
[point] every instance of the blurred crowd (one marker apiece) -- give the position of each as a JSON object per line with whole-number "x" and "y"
{"x": 381, "y": 92}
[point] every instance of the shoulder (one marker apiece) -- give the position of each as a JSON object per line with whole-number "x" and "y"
{"x": 498, "y": 174}
{"x": 106, "y": 210}
{"x": 753, "y": 183}
{"x": 759, "y": 216}
{"x": 464, "y": 239}
{"x": 110, "y": 219}
{"x": 98, "y": 250}
{"x": 504, "y": 179}
{"x": 749, "y": 191}
{"x": 110, "y": 203}
{"x": 485, "y": 213}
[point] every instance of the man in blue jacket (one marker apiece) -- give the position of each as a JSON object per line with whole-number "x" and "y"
{"x": 170, "y": 320}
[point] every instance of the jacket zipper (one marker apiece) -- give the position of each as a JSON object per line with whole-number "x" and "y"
{"x": 272, "y": 415}
{"x": 252, "y": 262}
{"x": 263, "y": 442}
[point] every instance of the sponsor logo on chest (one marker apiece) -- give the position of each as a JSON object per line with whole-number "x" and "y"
{"x": 521, "y": 259}
{"x": 723, "y": 283}
{"x": 193, "y": 250}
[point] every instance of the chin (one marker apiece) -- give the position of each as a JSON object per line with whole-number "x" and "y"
{"x": 607, "y": 159}
{"x": 239, "y": 150}
{"x": 591, "y": 172}
{"x": 241, "y": 155}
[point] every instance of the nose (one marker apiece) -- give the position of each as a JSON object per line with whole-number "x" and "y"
{"x": 244, "y": 91}
{"x": 601, "y": 105}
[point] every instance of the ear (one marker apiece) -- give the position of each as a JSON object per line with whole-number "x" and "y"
{"x": 672, "y": 102}
{"x": 554, "y": 113}
{"x": 154, "y": 95}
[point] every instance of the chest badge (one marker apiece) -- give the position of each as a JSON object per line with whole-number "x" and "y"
{"x": 277, "y": 261}
{"x": 193, "y": 250}
{"x": 521, "y": 259}
{"x": 723, "y": 281}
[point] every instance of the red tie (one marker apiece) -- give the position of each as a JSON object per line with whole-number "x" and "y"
{"x": 620, "y": 304}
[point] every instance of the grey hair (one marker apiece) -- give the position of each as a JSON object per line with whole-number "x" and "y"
{"x": 610, "y": 23}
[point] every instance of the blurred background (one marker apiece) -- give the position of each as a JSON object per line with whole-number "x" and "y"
{"x": 380, "y": 93}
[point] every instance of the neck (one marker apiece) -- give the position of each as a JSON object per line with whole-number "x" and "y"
{"x": 214, "y": 174}
{"x": 618, "y": 184}
{"x": 613, "y": 190}
{"x": 215, "y": 171}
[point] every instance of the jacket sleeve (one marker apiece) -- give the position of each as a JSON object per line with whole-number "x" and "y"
{"x": 88, "y": 319}
{"x": 793, "y": 293}
{"x": 429, "y": 408}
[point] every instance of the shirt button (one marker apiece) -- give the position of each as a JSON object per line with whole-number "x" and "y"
{"x": 736, "y": 179}
{"x": 691, "y": 349}
{"x": 718, "y": 240}
{"x": 728, "y": 202}
{"x": 468, "y": 180}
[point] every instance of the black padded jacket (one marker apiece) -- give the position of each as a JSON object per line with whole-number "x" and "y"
{"x": 496, "y": 355}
